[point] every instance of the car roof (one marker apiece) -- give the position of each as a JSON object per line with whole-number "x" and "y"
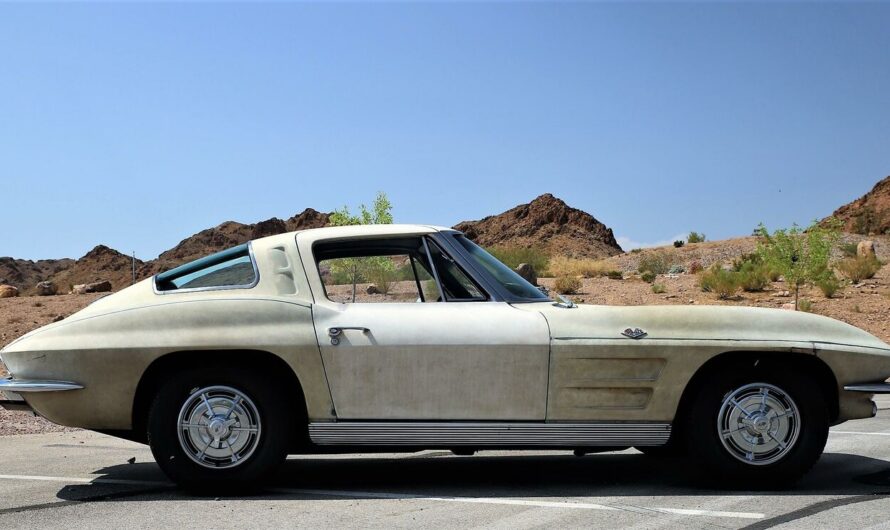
{"x": 345, "y": 232}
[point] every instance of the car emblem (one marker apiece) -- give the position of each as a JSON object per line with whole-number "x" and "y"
{"x": 634, "y": 333}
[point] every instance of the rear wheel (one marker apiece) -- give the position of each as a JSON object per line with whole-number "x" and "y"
{"x": 215, "y": 430}
{"x": 757, "y": 427}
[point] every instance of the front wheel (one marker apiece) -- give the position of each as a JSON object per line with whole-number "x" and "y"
{"x": 214, "y": 430}
{"x": 762, "y": 429}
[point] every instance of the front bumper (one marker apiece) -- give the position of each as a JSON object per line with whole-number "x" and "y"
{"x": 11, "y": 390}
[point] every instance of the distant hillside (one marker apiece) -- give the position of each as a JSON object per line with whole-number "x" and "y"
{"x": 103, "y": 263}
{"x": 869, "y": 214}
{"x": 547, "y": 223}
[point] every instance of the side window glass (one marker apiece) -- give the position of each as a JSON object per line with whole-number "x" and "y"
{"x": 224, "y": 270}
{"x": 458, "y": 286}
{"x": 376, "y": 279}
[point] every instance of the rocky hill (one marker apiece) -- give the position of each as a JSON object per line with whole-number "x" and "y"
{"x": 103, "y": 263}
{"x": 229, "y": 234}
{"x": 547, "y": 223}
{"x": 869, "y": 214}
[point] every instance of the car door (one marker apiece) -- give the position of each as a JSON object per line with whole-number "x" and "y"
{"x": 441, "y": 360}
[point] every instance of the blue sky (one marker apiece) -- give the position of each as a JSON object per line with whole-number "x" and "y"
{"x": 136, "y": 125}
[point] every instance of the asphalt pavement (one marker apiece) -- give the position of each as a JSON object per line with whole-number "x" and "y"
{"x": 86, "y": 480}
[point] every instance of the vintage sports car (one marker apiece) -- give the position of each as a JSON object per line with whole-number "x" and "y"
{"x": 408, "y": 337}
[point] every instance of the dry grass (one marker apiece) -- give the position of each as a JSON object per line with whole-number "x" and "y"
{"x": 567, "y": 284}
{"x": 584, "y": 267}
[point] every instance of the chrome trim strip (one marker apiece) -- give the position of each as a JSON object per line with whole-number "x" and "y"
{"x": 251, "y": 285}
{"x": 448, "y": 434}
{"x": 873, "y": 388}
{"x": 25, "y": 385}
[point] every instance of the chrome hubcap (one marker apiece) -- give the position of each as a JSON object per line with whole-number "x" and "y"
{"x": 218, "y": 427}
{"x": 758, "y": 423}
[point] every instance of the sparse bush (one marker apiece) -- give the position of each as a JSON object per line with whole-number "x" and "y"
{"x": 635, "y": 250}
{"x": 588, "y": 268}
{"x": 380, "y": 275}
{"x": 615, "y": 275}
{"x": 567, "y": 284}
{"x": 849, "y": 250}
{"x": 658, "y": 288}
{"x": 513, "y": 256}
{"x": 677, "y": 269}
{"x": 829, "y": 284}
{"x": 859, "y": 268}
{"x": 717, "y": 280}
{"x": 806, "y": 306}
{"x": 648, "y": 276}
{"x": 744, "y": 259}
{"x": 801, "y": 256}
{"x": 658, "y": 262}
{"x": 695, "y": 237}
{"x": 679, "y": 243}
{"x": 753, "y": 277}
{"x": 695, "y": 267}
{"x": 37, "y": 304}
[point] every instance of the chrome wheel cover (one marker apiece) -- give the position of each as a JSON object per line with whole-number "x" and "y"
{"x": 758, "y": 424}
{"x": 218, "y": 427}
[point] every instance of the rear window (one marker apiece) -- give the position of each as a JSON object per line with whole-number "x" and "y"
{"x": 230, "y": 269}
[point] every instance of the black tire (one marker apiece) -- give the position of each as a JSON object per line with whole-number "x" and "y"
{"x": 263, "y": 455}
{"x": 703, "y": 427}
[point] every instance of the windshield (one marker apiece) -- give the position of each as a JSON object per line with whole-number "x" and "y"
{"x": 504, "y": 275}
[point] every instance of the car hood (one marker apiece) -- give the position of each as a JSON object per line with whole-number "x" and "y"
{"x": 700, "y": 323}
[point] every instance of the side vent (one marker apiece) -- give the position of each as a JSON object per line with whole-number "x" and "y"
{"x": 283, "y": 272}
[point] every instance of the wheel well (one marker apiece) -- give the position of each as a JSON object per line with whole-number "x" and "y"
{"x": 257, "y": 360}
{"x": 806, "y": 363}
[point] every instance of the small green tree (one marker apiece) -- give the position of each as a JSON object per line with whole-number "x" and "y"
{"x": 380, "y": 267}
{"x": 379, "y": 214}
{"x": 695, "y": 237}
{"x": 801, "y": 256}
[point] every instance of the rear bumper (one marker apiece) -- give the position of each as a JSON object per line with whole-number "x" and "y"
{"x": 872, "y": 388}
{"x": 11, "y": 390}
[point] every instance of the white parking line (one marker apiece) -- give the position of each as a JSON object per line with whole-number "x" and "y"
{"x": 859, "y": 432}
{"x": 408, "y": 496}
{"x": 87, "y": 480}
{"x": 520, "y": 502}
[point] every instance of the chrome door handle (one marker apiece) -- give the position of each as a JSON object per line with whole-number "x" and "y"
{"x": 334, "y": 333}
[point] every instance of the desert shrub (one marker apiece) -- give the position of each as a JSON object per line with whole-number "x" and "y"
{"x": 380, "y": 275}
{"x": 679, "y": 243}
{"x": 829, "y": 284}
{"x": 752, "y": 258}
{"x": 513, "y": 256}
{"x": 648, "y": 276}
{"x": 677, "y": 269}
{"x": 753, "y": 277}
{"x": 658, "y": 288}
{"x": 695, "y": 267}
{"x": 801, "y": 256}
{"x": 695, "y": 237}
{"x": 859, "y": 268}
{"x": 658, "y": 262}
{"x": 635, "y": 250}
{"x": 849, "y": 250}
{"x": 615, "y": 275}
{"x": 806, "y": 306}
{"x": 586, "y": 267}
{"x": 724, "y": 283}
{"x": 567, "y": 284}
